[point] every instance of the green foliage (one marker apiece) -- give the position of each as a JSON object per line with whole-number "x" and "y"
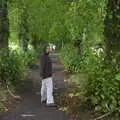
{"x": 99, "y": 83}
{"x": 67, "y": 105}
{"x": 30, "y": 57}
{"x": 14, "y": 20}
{"x": 70, "y": 58}
{"x": 118, "y": 76}
{"x": 63, "y": 23}
{"x": 3, "y": 99}
{"x": 2, "y": 106}
{"x": 102, "y": 83}
{"x": 78, "y": 81}
{"x": 85, "y": 23}
{"x": 102, "y": 88}
{"x": 58, "y": 21}
{"x": 12, "y": 68}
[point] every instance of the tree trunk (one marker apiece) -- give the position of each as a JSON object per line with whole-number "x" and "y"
{"x": 23, "y": 31}
{"x": 4, "y": 26}
{"x": 112, "y": 30}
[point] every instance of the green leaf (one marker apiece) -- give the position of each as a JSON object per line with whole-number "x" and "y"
{"x": 71, "y": 95}
{"x": 117, "y": 77}
{"x": 2, "y": 106}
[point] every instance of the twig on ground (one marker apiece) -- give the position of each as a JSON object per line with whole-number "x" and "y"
{"x": 106, "y": 114}
{"x": 14, "y": 96}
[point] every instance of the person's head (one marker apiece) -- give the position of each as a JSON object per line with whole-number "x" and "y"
{"x": 47, "y": 49}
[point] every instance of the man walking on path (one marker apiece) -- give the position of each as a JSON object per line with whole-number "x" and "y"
{"x": 47, "y": 81}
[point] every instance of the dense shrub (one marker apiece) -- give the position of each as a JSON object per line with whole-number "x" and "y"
{"x": 30, "y": 57}
{"x": 102, "y": 84}
{"x": 67, "y": 105}
{"x": 3, "y": 100}
{"x": 70, "y": 58}
{"x": 12, "y": 68}
{"x": 102, "y": 87}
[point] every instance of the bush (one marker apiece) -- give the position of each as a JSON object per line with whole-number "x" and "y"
{"x": 30, "y": 57}
{"x": 66, "y": 101}
{"x": 70, "y": 58}
{"x": 3, "y": 99}
{"x": 102, "y": 87}
{"x": 12, "y": 68}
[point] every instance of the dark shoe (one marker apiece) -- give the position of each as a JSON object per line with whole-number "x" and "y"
{"x": 51, "y": 105}
{"x": 43, "y": 102}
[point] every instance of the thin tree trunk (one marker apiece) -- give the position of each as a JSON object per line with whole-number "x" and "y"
{"x": 4, "y": 26}
{"x": 23, "y": 31}
{"x": 112, "y": 30}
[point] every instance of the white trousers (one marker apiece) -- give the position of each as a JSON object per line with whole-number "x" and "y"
{"x": 47, "y": 90}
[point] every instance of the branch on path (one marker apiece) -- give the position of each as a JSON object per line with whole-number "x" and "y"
{"x": 14, "y": 96}
{"x": 107, "y": 114}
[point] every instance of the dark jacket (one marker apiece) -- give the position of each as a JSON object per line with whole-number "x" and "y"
{"x": 45, "y": 66}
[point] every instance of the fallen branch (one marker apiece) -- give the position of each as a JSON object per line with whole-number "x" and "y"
{"x": 107, "y": 114}
{"x": 14, "y": 96}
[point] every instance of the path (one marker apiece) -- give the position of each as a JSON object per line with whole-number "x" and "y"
{"x": 30, "y": 107}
